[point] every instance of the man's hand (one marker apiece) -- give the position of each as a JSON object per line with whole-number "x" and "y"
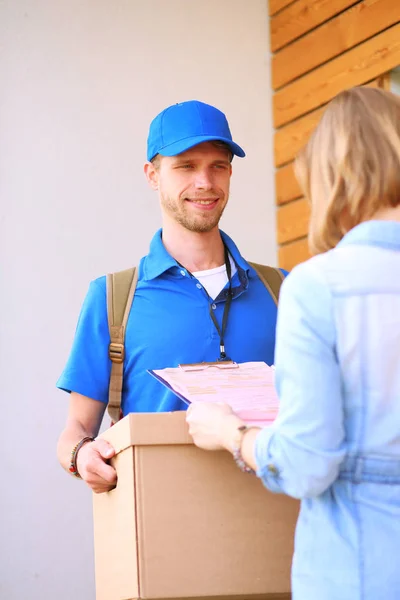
{"x": 84, "y": 420}
{"x": 92, "y": 466}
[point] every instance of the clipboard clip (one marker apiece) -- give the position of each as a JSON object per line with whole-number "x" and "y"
{"x": 225, "y": 364}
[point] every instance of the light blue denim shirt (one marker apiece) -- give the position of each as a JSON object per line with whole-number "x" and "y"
{"x": 336, "y": 442}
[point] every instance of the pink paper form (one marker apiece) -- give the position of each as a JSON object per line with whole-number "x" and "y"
{"x": 248, "y": 388}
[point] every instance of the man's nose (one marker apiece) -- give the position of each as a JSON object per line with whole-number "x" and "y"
{"x": 203, "y": 180}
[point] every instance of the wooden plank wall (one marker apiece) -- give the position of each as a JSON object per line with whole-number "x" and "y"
{"x": 320, "y": 47}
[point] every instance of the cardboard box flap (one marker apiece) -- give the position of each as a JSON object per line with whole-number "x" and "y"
{"x": 148, "y": 429}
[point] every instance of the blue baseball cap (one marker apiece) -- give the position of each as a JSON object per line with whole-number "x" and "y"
{"x": 182, "y": 126}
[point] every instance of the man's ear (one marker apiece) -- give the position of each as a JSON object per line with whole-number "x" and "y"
{"x": 151, "y": 174}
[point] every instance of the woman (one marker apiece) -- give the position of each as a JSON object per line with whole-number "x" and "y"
{"x": 336, "y": 441}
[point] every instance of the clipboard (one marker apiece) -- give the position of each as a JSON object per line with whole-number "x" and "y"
{"x": 169, "y": 386}
{"x": 247, "y": 387}
{"x": 202, "y": 366}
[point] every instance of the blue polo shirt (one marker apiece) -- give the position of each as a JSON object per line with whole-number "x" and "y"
{"x": 169, "y": 324}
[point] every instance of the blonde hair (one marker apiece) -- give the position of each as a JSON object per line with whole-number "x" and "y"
{"x": 350, "y": 168}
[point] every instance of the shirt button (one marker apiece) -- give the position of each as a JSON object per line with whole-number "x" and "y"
{"x": 183, "y": 273}
{"x": 198, "y": 285}
{"x": 213, "y": 306}
{"x": 272, "y": 469}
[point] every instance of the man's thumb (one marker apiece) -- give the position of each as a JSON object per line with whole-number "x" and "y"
{"x": 105, "y": 449}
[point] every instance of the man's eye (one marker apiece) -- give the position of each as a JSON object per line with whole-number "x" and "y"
{"x": 185, "y": 166}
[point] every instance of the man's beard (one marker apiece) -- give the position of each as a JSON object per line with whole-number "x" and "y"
{"x": 198, "y": 223}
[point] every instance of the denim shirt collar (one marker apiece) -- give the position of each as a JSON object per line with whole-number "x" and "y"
{"x": 159, "y": 260}
{"x": 385, "y": 234}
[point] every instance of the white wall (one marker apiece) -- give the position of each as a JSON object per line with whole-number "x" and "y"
{"x": 395, "y": 81}
{"x": 80, "y": 82}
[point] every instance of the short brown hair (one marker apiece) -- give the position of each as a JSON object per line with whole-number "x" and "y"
{"x": 350, "y": 168}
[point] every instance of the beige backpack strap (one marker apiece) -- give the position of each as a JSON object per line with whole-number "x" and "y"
{"x": 120, "y": 291}
{"x": 272, "y": 279}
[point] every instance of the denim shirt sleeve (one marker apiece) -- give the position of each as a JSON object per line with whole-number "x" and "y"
{"x": 300, "y": 453}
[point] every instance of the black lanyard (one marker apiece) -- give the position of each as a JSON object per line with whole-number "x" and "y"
{"x": 221, "y": 330}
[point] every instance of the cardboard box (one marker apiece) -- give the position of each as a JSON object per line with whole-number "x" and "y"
{"x": 185, "y": 523}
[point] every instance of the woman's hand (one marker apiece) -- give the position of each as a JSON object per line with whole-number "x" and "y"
{"x": 211, "y": 425}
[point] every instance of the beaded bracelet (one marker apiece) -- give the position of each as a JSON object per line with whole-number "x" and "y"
{"x": 74, "y": 454}
{"x": 237, "y": 451}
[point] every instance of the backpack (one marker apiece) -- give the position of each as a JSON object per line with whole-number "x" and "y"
{"x": 121, "y": 288}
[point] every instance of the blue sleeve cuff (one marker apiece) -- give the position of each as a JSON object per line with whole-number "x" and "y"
{"x": 266, "y": 470}
{"x": 84, "y": 388}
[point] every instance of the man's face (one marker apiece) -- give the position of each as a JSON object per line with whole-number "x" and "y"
{"x": 193, "y": 186}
